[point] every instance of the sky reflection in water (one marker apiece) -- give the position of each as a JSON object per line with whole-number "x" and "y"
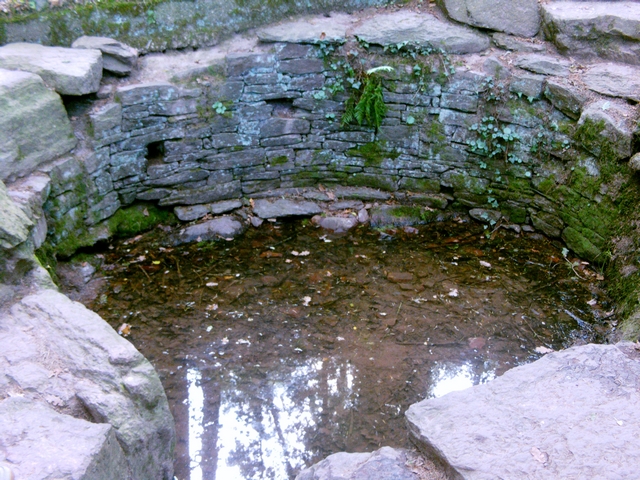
{"x": 268, "y": 441}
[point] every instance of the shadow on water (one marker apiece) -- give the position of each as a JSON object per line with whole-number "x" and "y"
{"x": 287, "y": 345}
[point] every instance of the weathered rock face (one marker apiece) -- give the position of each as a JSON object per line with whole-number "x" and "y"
{"x": 264, "y": 208}
{"x": 420, "y": 29}
{"x": 117, "y": 57}
{"x": 568, "y": 415}
{"x": 33, "y": 122}
{"x": 331, "y": 29}
{"x": 520, "y": 17}
{"x": 87, "y": 372}
{"x": 67, "y": 71}
{"x": 614, "y": 80}
{"x": 608, "y": 30}
{"x": 617, "y": 126}
{"x": 14, "y": 224}
{"x": 60, "y": 446}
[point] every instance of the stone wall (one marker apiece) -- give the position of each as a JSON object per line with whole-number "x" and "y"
{"x": 475, "y": 136}
{"x": 159, "y": 25}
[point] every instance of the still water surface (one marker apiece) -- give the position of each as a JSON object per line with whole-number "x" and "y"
{"x": 287, "y": 345}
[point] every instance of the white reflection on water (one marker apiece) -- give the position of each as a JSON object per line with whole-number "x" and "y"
{"x": 452, "y": 377}
{"x": 261, "y": 429}
{"x": 196, "y": 417}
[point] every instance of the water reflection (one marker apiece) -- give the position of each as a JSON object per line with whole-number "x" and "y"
{"x": 263, "y": 425}
{"x": 450, "y": 377}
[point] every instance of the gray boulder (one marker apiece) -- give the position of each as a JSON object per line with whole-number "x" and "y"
{"x": 518, "y": 17}
{"x": 634, "y": 162}
{"x": 57, "y": 352}
{"x": 571, "y": 414}
{"x": 41, "y": 443}
{"x": 614, "y": 80}
{"x": 608, "y": 30}
{"x": 14, "y": 224}
{"x": 618, "y": 126}
{"x": 420, "y": 29}
{"x": 387, "y": 463}
{"x": 331, "y": 29}
{"x": 68, "y": 71}
{"x": 34, "y": 124}
{"x": 117, "y": 57}
{"x": 282, "y": 207}
{"x": 544, "y": 64}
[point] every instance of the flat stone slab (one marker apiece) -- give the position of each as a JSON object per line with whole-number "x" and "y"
{"x": 68, "y": 71}
{"x": 265, "y": 208}
{"x": 614, "y": 80}
{"x": 387, "y": 463}
{"x": 34, "y": 124}
{"x": 421, "y": 29}
{"x": 517, "y": 17}
{"x": 331, "y": 29}
{"x": 117, "y": 57}
{"x": 40, "y": 444}
{"x": 193, "y": 212}
{"x": 571, "y": 414}
{"x": 608, "y": 30}
{"x": 361, "y": 193}
{"x": 544, "y": 64}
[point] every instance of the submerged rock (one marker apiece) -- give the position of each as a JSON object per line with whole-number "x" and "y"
{"x": 222, "y": 227}
{"x": 336, "y": 224}
{"x": 568, "y": 415}
{"x": 387, "y": 463}
{"x": 68, "y": 71}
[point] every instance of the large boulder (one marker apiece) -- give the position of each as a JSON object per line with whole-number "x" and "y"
{"x": 614, "y": 80}
{"x": 571, "y": 414}
{"x": 420, "y": 29}
{"x": 61, "y": 355}
{"x": 517, "y": 17}
{"x": 69, "y": 71}
{"x": 34, "y": 124}
{"x": 40, "y": 443}
{"x": 608, "y": 30}
{"x": 117, "y": 57}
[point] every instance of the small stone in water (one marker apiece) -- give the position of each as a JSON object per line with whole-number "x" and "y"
{"x": 306, "y": 301}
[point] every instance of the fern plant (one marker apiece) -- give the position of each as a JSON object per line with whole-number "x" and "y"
{"x": 366, "y": 104}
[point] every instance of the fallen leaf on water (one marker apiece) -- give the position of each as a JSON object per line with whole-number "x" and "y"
{"x": 211, "y": 284}
{"x": 306, "y": 301}
{"x": 485, "y": 264}
{"x": 156, "y": 262}
{"x": 212, "y": 308}
{"x": 228, "y": 277}
{"x": 592, "y": 302}
{"x": 270, "y": 254}
{"x": 543, "y": 350}
{"x": 539, "y": 455}
{"x": 124, "y": 330}
{"x": 453, "y": 292}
